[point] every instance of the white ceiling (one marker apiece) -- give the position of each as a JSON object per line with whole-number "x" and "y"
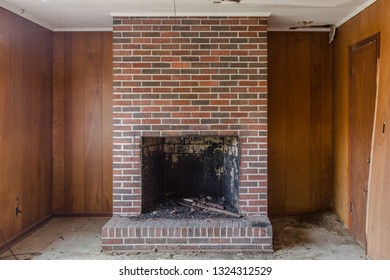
{"x": 60, "y": 15}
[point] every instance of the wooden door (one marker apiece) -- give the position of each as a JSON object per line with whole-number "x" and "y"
{"x": 363, "y": 69}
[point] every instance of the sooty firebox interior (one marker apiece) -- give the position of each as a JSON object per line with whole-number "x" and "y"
{"x": 192, "y": 166}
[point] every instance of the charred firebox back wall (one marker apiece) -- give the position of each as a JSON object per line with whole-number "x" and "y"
{"x": 192, "y": 166}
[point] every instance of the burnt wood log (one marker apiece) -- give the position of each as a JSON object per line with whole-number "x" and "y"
{"x": 191, "y": 203}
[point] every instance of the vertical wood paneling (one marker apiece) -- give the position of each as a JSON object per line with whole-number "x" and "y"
{"x": 46, "y": 121}
{"x": 299, "y": 122}
{"x": 372, "y": 20}
{"x": 25, "y": 123}
{"x": 326, "y": 192}
{"x": 29, "y": 123}
{"x": 93, "y": 121}
{"x": 358, "y": 28}
{"x": 67, "y": 156}
{"x": 77, "y": 129}
{"x": 107, "y": 87}
{"x": 277, "y": 190}
{"x": 58, "y": 123}
{"x": 315, "y": 120}
{"x": 83, "y": 122}
{"x": 5, "y": 184}
{"x": 17, "y": 133}
{"x": 378, "y": 214}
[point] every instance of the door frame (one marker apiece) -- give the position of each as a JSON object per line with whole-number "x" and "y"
{"x": 352, "y": 48}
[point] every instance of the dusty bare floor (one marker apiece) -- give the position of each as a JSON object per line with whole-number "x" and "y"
{"x": 318, "y": 236}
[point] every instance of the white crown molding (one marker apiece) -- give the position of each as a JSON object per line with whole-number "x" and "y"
{"x": 356, "y": 12}
{"x": 279, "y": 29}
{"x": 180, "y": 14}
{"x": 82, "y": 29}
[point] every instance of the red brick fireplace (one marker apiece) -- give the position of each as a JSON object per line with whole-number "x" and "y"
{"x": 184, "y": 80}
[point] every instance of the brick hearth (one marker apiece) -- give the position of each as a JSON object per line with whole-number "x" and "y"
{"x": 252, "y": 234}
{"x": 189, "y": 76}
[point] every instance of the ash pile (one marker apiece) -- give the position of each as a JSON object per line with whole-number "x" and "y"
{"x": 191, "y": 208}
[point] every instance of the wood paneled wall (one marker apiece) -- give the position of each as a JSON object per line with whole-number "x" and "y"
{"x": 300, "y": 118}
{"x": 25, "y": 123}
{"x": 82, "y": 122}
{"x": 355, "y": 30}
{"x": 374, "y": 19}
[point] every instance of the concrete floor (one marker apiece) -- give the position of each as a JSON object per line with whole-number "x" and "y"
{"x": 310, "y": 237}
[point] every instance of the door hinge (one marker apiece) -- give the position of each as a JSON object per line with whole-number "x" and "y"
{"x": 350, "y": 207}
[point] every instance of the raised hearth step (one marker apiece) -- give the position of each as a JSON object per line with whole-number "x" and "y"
{"x": 246, "y": 234}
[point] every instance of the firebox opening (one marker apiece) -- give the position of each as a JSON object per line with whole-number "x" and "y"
{"x": 190, "y": 167}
